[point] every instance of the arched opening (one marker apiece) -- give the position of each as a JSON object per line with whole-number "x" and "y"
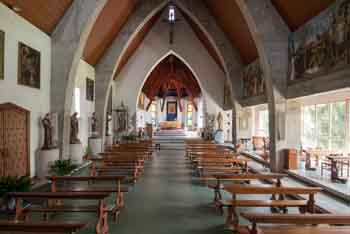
{"x": 170, "y": 97}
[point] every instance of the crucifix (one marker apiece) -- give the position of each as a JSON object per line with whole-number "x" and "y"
{"x": 171, "y": 20}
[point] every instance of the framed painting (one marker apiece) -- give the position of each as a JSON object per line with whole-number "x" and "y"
{"x": 171, "y": 111}
{"x": 90, "y": 89}
{"x": 2, "y": 55}
{"x": 28, "y": 66}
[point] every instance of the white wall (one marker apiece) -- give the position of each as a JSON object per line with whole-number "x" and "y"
{"x": 85, "y": 70}
{"x": 36, "y": 101}
{"x": 155, "y": 47}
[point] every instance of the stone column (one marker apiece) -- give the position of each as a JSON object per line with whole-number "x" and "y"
{"x": 270, "y": 35}
{"x": 68, "y": 42}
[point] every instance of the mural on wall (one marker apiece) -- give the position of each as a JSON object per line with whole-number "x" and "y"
{"x": 227, "y": 96}
{"x": 253, "y": 80}
{"x": 28, "y": 66}
{"x": 2, "y": 54}
{"x": 322, "y": 45}
{"x": 90, "y": 89}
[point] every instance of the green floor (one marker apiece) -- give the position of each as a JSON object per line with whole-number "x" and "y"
{"x": 167, "y": 200}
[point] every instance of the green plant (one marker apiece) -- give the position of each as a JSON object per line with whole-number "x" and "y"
{"x": 62, "y": 167}
{"x": 130, "y": 137}
{"x": 88, "y": 151}
{"x": 14, "y": 184}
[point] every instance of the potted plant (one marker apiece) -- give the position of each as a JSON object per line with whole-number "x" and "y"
{"x": 12, "y": 184}
{"x": 62, "y": 167}
{"x": 88, "y": 153}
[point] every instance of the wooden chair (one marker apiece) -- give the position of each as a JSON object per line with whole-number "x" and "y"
{"x": 298, "y": 223}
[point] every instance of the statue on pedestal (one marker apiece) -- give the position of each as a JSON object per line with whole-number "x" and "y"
{"x": 48, "y": 132}
{"x": 74, "y": 129}
{"x": 220, "y": 122}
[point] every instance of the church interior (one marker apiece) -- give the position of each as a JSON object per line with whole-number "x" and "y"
{"x": 174, "y": 116}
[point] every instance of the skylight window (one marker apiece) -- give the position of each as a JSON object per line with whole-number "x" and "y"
{"x": 171, "y": 14}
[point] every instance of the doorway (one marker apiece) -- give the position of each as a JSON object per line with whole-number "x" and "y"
{"x": 14, "y": 140}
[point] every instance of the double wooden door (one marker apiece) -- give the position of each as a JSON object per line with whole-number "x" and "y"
{"x": 14, "y": 140}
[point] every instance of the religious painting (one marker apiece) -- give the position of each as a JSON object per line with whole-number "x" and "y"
{"x": 227, "y": 96}
{"x": 141, "y": 103}
{"x": 321, "y": 46}
{"x": 2, "y": 55}
{"x": 90, "y": 89}
{"x": 171, "y": 111}
{"x": 253, "y": 80}
{"x": 28, "y": 66}
{"x": 122, "y": 118}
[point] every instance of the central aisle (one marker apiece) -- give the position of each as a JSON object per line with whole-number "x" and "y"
{"x": 166, "y": 200}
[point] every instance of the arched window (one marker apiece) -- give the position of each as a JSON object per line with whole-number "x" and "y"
{"x": 189, "y": 115}
{"x": 153, "y": 111}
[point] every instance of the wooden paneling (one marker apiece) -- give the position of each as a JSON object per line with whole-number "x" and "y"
{"x": 109, "y": 23}
{"x": 231, "y": 21}
{"x": 135, "y": 42}
{"x": 44, "y": 14}
{"x": 297, "y": 12}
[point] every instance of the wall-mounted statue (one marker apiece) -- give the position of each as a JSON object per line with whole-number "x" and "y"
{"x": 48, "y": 132}
{"x": 74, "y": 129}
{"x": 322, "y": 45}
{"x": 253, "y": 81}
{"x": 220, "y": 121}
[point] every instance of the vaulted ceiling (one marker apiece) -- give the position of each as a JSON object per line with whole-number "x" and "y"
{"x": 109, "y": 23}
{"x": 45, "y": 14}
{"x": 171, "y": 76}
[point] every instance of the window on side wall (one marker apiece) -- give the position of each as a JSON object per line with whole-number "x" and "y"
{"x": 324, "y": 126}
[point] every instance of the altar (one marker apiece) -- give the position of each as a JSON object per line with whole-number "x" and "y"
{"x": 166, "y": 125}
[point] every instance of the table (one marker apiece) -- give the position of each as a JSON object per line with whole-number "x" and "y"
{"x": 245, "y": 142}
{"x": 335, "y": 161}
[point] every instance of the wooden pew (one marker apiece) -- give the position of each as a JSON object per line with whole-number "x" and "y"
{"x": 303, "y": 205}
{"x": 245, "y": 178}
{"x": 14, "y": 227}
{"x": 117, "y": 165}
{"x": 101, "y": 209}
{"x": 118, "y": 189}
{"x": 216, "y": 163}
{"x": 298, "y": 219}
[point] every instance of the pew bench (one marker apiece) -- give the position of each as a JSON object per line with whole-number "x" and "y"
{"x": 117, "y": 189}
{"x": 309, "y": 222}
{"x": 53, "y": 203}
{"x": 282, "y": 202}
{"x": 239, "y": 178}
{"x": 13, "y": 227}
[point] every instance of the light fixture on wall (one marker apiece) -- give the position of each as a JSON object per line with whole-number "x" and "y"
{"x": 14, "y": 7}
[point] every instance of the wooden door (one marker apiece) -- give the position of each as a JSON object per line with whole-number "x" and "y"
{"x": 14, "y": 140}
